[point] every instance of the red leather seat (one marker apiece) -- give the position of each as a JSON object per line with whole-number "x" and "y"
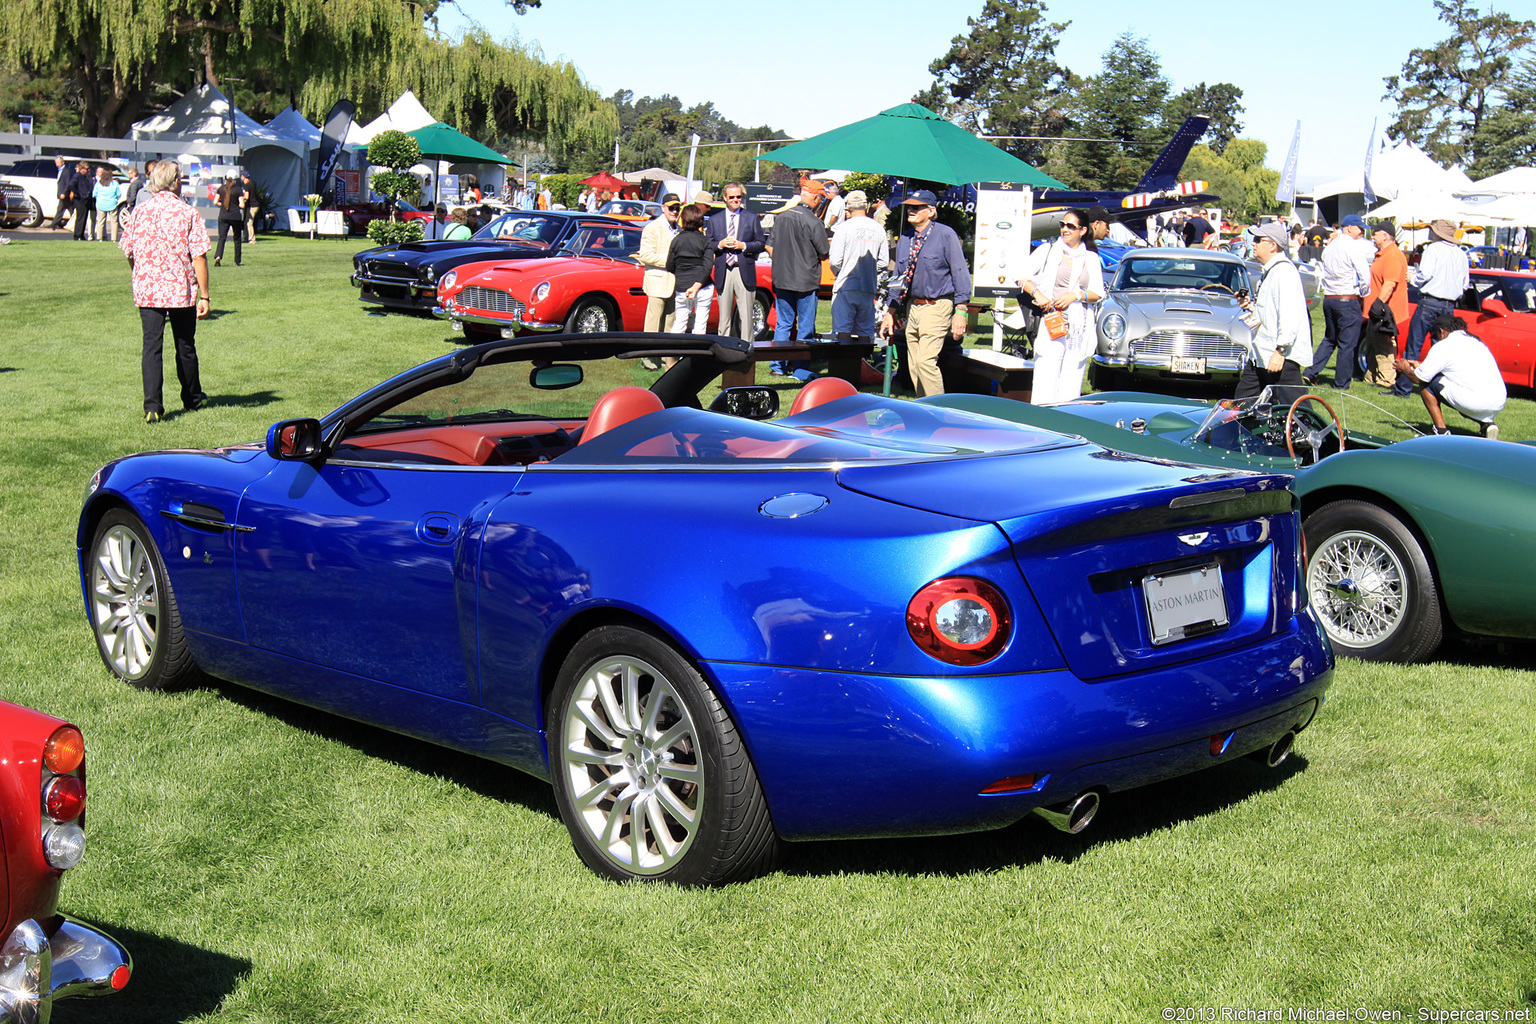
{"x": 821, "y": 391}
{"x": 617, "y": 408}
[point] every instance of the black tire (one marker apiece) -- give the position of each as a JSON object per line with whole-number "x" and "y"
{"x": 1370, "y": 583}
{"x": 1102, "y": 378}
{"x": 35, "y": 217}
{"x": 132, "y": 609}
{"x": 592, "y": 316}
{"x": 704, "y": 814}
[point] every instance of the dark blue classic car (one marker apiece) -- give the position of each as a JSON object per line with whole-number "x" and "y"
{"x": 711, "y": 630}
{"x": 405, "y": 276}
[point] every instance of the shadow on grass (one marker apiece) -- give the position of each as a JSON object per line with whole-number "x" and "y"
{"x": 485, "y": 778}
{"x": 1130, "y": 814}
{"x": 172, "y": 981}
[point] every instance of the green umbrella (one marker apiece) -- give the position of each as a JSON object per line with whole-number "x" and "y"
{"x": 447, "y": 143}
{"x": 911, "y": 141}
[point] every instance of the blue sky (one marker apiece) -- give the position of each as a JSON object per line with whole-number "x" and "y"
{"x": 807, "y": 67}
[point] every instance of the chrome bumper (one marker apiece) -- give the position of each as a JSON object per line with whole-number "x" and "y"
{"x": 512, "y": 323}
{"x": 1164, "y": 364}
{"x": 75, "y": 960}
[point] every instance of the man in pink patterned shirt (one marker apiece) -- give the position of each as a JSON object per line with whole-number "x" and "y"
{"x": 167, "y": 245}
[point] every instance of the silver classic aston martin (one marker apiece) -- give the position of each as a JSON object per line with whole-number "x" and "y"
{"x": 1174, "y": 313}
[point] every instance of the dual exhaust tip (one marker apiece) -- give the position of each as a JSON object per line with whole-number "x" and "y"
{"x": 1078, "y": 813}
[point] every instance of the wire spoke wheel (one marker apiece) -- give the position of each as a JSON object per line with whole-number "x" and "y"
{"x": 1358, "y": 585}
{"x": 631, "y": 759}
{"x": 589, "y": 318}
{"x": 1370, "y": 583}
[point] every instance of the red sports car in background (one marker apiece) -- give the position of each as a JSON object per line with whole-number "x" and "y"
{"x": 594, "y": 290}
{"x": 1499, "y": 308}
{"x": 44, "y": 955}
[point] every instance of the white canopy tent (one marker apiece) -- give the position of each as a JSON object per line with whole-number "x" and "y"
{"x": 1407, "y": 168}
{"x": 407, "y": 114}
{"x": 274, "y": 161}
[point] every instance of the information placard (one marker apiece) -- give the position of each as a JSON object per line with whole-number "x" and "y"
{"x": 1003, "y": 212}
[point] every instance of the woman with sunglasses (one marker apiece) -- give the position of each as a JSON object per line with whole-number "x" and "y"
{"x": 1064, "y": 277}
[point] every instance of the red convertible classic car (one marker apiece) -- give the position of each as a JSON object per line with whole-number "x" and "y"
{"x": 594, "y": 288}
{"x": 44, "y": 955}
{"x": 1499, "y": 309}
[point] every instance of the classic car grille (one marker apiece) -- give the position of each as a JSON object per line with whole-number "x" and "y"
{"x": 1206, "y": 344}
{"x": 492, "y": 300}
{"x": 393, "y": 272}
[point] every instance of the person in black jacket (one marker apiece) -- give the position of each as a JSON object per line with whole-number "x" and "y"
{"x": 231, "y": 202}
{"x": 82, "y": 195}
{"x": 689, "y": 260}
{"x": 66, "y": 201}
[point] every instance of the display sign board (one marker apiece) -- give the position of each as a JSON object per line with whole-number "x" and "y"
{"x": 347, "y": 185}
{"x": 1003, "y": 213}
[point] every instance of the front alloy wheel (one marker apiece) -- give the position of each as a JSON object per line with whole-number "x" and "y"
{"x": 133, "y": 612}
{"x": 651, "y": 777}
{"x": 1370, "y": 583}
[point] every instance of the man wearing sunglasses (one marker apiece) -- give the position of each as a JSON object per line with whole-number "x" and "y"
{"x": 655, "y": 241}
{"x": 736, "y": 239}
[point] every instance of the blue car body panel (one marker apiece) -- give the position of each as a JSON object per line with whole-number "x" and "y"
{"x": 438, "y": 601}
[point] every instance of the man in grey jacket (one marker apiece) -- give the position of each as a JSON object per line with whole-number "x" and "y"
{"x": 1278, "y": 318}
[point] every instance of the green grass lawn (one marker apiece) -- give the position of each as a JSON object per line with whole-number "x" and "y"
{"x": 269, "y": 863}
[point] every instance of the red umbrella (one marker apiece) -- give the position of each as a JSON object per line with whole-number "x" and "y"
{"x": 604, "y": 180}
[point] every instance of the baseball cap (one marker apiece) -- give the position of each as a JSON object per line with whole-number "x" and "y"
{"x": 922, "y": 197}
{"x": 1354, "y": 220}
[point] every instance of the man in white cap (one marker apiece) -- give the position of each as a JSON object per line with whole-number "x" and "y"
{"x": 1441, "y": 277}
{"x": 860, "y": 256}
{"x": 933, "y": 284}
{"x": 1278, "y": 318}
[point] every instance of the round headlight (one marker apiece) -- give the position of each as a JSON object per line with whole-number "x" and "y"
{"x": 431, "y": 273}
{"x": 1113, "y": 326}
{"x": 540, "y": 292}
{"x": 449, "y": 279}
{"x": 64, "y": 845}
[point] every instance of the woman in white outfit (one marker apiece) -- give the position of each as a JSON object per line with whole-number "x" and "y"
{"x": 1065, "y": 275}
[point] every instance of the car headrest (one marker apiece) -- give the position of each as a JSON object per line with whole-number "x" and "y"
{"x": 618, "y": 407}
{"x": 821, "y": 391}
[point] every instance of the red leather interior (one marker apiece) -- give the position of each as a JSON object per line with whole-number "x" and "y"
{"x": 618, "y": 407}
{"x": 463, "y": 445}
{"x": 821, "y": 391}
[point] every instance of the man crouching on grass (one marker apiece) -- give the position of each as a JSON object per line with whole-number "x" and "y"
{"x": 1460, "y": 372}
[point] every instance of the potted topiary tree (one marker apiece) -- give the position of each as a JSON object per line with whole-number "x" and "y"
{"x": 397, "y": 151}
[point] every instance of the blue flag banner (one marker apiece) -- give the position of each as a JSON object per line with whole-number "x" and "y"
{"x": 1370, "y": 149}
{"x": 1286, "y": 193}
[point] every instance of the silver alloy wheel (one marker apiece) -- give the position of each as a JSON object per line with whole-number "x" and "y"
{"x": 1359, "y": 588}
{"x": 34, "y": 213}
{"x": 759, "y": 319}
{"x": 592, "y": 319}
{"x": 125, "y": 602}
{"x": 631, "y": 760}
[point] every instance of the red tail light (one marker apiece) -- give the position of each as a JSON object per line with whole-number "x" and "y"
{"x": 64, "y": 798}
{"x": 959, "y": 620}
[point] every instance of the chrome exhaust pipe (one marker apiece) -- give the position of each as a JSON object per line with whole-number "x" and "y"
{"x": 1276, "y": 755}
{"x": 1074, "y": 815}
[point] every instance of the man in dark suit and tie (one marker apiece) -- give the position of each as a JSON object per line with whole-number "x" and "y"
{"x": 66, "y": 202}
{"x": 736, "y": 238}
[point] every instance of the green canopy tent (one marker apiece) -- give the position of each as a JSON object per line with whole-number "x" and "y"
{"x": 444, "y": 142}
{"x": 911, "y": 141}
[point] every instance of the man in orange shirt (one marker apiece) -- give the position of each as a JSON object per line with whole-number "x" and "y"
{"x": 1386, "y": 306}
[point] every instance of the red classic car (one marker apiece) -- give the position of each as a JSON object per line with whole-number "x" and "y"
{"x": 1499, "y": 308}
{"x": 44, "y": 955}
{"x": 593, "y": 289}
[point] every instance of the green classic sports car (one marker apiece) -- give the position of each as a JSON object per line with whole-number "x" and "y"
{"x": 1407, "y": 539}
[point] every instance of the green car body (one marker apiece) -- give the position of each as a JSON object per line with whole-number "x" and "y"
{"x": 1467, "y": 503}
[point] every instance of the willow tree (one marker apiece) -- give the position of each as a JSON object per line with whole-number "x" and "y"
{"x": 118, "y": 51}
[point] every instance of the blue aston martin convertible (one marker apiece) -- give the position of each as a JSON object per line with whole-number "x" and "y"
{"x": 715, "y": 630}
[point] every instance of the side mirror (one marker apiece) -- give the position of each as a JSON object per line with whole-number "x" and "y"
{"x": 751, "y": 403}
{"x": 294, "y": 440}
{"x": 1495, "y": 307}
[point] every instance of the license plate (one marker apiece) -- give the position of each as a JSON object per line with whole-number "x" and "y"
{"x": 1185, "y": 604}
{"x": 1188, "y": 364}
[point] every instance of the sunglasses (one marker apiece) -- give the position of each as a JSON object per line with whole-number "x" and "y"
{"x": 1071, "y": 227}
{"x": 734, "y": 199}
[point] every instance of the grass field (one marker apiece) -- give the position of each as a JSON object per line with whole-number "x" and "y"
{"x": 269, "y": 863}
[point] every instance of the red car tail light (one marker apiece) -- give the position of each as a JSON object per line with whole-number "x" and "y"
{"x": 960, "y": 620}
{"x": 64, "y": 798}
{"x": 64, "y": 751}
